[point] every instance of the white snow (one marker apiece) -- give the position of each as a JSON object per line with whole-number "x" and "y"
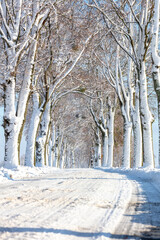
{"x": 49, "y": 203}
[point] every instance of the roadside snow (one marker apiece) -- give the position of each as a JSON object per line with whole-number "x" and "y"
{"x": 149, "y": 174}
{"x": 23, "y": 172}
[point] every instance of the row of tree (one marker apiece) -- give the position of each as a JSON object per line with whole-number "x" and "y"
{"x": 128, "y": 54}
{"x": 54, "y": 48}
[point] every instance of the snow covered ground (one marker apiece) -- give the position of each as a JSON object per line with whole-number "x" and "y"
{"x": 72, "y": 204}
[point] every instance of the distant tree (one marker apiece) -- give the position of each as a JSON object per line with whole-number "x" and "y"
{"x": 105, "y": 123}
{"x": 135, "y": 44}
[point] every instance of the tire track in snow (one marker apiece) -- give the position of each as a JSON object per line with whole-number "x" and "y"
{"x": 113, "y": 216}
{"x": 78, "y": 208}
{"x": 32, "y": 204}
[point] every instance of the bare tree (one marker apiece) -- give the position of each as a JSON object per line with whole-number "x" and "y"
{"x": 135, "y": 44}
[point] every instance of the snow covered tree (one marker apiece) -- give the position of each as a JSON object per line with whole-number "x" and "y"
{"x": 135, "y": 44}
{"x": 17, "y": 38}
{"x": 105, "y": 123}
{"x": 156, "y": 58}
{"x": 98, "y": 151}
{"x": 117, "y": 82}
{"x": 51, "y": 144}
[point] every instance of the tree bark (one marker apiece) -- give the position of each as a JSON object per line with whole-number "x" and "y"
{"x": 42, "y": 137}
{"x": 10, "y": 123}
{"x": 127, "y": 145}
{"x": 32, "y": 132}
{"x": 156, "y": 60}
{"x": 105, "y": 148}
{"x": 146, "y": 121}
{"x": 137, "y": 132}
{"x": 98, "y": 153}
{"x": 111, "y": 136}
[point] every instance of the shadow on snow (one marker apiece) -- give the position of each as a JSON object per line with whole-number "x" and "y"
{"x": 148, "y": 208}
{"x": 65, "y": 232}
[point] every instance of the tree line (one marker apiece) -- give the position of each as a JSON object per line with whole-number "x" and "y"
{"x": 51, "y": 49}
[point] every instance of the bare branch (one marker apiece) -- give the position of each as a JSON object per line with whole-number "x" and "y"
{"x": 134, "y": 14}
{"x": 65, "y": 74}
{"x": 4, "y": 20}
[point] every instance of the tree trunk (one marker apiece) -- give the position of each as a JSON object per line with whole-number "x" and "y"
{"x": 25, "y": 90}
{"x": 10, "y": 124}
{"x": 98, "y": 153}
{"x": 156, "y": 60}
{"x": 105, "y": 148}
{"x": 72, "y": 159}
{"x": 137, "y": 132}
{"x": 56, "y": 150}
{"x": 51, "y": 147}
{"x": 159, "y": 129}
{"x": 32, "y": 132}
{"x": 62, "y": 157}
{"x": 126, "y": 145}
{"x": 13, "y": 120}
{"x": 146, "y": 121}
{"x": 111, "y": 136}
{"x": 42, "y": 138}
{"x": 11, "y": 146}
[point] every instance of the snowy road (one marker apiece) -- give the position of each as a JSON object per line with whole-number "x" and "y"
{"x": 78, "y": 204}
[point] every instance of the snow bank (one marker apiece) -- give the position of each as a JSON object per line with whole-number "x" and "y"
{"x": 22, "y": 172}
{"x": 148, "y": 174}
{"x": 152, "y": 175}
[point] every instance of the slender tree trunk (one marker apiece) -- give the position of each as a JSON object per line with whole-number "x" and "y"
{"x": 137, "y": 158}
{"x": 32, "y": 132}
{"x": 156, "y": 60}
{"x": 66, "y": 157}
{"x": 105, "y": 148}
{"x": 111, "y": 136}
{"x": 51, "y": 147}
{"x": 62, "y": 155}
{"x": 98, "y": 152}
{"x": 156, "y": 81}
{"x": 159, "y": 130}
{"x": 55, "y": 160}
{"x": 25, "y": 90}
{"x": 98, "y": 155}
{"x": 62, "y": 161}
{"x": 137, "y": 132}
{"x": 126, "y": 145}
{"x": 50, "y": 154}
{"x": 42, "y": 138}
{"x": 73, "y": 159}
{"x": 146, "y": 121}
{"x": 56, "y": 150}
